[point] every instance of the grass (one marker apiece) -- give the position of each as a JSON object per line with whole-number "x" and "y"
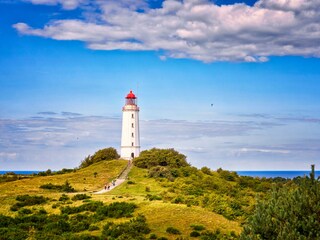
{"x": 160, "y": 214}
{"x": 82, "y": 180}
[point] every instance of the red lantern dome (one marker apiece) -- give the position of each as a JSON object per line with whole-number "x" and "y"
{"x": 131, "y": 95}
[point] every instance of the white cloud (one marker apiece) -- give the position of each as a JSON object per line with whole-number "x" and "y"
{"x": 66, "y": 4}
{"x": 198, "y": 30}
{"x": 257, "y": 150}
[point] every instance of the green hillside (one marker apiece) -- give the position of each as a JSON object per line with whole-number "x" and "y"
{"x": 163, "y": 198}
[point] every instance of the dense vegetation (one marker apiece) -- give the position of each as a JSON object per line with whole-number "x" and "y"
{"x": 160, "y": 157}
{"x": 221, "y": 191}
{"x": 105, "y": 154}
{"x": 40, "y": 225}
{"x": 290, "y": 212}
{"x": 163, "y": 190}
{"x": 66, "y": 187}
{"x": 11, "y": 176}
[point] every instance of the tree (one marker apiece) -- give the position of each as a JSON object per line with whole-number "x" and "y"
{"x": 160, "y": 157}
{"x": 105, "y": 154}
{"x": 291, "y": 212}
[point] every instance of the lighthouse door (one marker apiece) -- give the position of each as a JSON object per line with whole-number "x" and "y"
{"x": 132, "y": 155}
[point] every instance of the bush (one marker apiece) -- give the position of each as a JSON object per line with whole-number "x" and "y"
{"x": 173, "y": 230}
{"x": 26, "y": 200}
{"x": 105, "y": 154}
{"x": 80, "y": 197}
{"x": 198, "y": 227}
{"x": 93, "y": 228}
{"x": 91, "y": 207}
{"x": 134, "y": 229}
{"x": 64, "y": 198}
{"x": 117, "y": 210}
{"x": 153, "y": 236}
{"x": 291, "y": 212}
{"x": 194, "y": 234}
{"x": 160, "y": 157}
{"x": 153, "y": 197}
{"x": 66, "y": 187}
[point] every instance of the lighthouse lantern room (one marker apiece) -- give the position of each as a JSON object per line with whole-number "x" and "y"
{"x": 130, "y": 140}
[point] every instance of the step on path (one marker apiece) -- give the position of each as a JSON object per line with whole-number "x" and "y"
{"x": 121, "y": 178}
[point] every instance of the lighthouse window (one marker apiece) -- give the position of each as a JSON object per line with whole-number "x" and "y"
{"x": 132, "y": 125}
{"x": 132, "y": 144}
{"x": 132, "y": 116}
{"x": 132, "y": 135}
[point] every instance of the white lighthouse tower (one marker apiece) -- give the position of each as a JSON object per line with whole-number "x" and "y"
{"x": 130, "y": 140}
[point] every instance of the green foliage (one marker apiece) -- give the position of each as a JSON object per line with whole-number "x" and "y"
{"x": 64, "y": 198}
{"x": 160, "y": 157}
{"x": 91, "y": 207}
{"x": 105, "y": 154}
{"x": 197, "y": 227}
{"x": 153, "y": 236}
{"x": 81, "y": 196}
{"x": 151, "y": 197}
{"x": 66, "y": 187}
{"x": 113, "y": 210}
{"x": 26, "y": 200}
{"x": 218, "y": 235}
{"x": 117, "y": 210}
{"x": 24, "y": 211}
{"x": 135, "y": 229}
{"x": 195, "y": 234}
{"x": 291, "y": 212}
{"x": 12, "y": 233}
{"x": 50, "y": 173}
{"x": 72, "y": 221}
{"x": 173, "y": 230}
{"x": 206, "y": 170}
{"x": 227, "y": 175}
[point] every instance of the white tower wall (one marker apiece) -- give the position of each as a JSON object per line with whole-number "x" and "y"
{"x": 130, "y": 139}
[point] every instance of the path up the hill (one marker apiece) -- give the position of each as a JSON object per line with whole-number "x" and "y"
{"x": 119, "y": 180}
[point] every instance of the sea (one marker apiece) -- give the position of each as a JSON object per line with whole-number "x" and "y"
{"x": 273, "y": 174}
{"x": 20, "y": 172}
{"x": 267, "y": 174}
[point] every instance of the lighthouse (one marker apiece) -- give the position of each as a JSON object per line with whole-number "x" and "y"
{"x": 130, "y": 139}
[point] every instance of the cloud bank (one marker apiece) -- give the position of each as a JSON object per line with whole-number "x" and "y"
{"x": 192, "y": 29}
{"x": 60, "y": 140}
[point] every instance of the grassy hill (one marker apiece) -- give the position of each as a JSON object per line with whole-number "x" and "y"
{"x": 160, "y": 214}
{"x": 162, "y": 198}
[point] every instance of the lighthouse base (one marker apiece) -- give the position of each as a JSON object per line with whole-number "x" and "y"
{"x": 128, "y": 153}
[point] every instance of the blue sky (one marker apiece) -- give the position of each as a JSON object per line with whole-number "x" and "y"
{"x": 230, "y": 84}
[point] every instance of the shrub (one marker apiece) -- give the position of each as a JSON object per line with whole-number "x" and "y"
{"x": 64, "y": 198}
{"x": 194, "y": 234}
{"x": 288, "y": 213}
{"x": 91, "y": 207}
{"x": 134, "y": 229}
{"x": 173, "y": 230}
{"x": 160, "y": 157}
{"x": 25, "y": 211}
{"x": 105, "y": 154}
{"x": 153, "y": 236}
{"x": 81, "y": 196}
{"x": 117, "y": 210}
{"x": 198, "y": 227}
{"x": 26, "y": 200}
{"x": 153, "y": 197}
{"x": 66, "y": 187}
{"x": 93, "y": 228}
